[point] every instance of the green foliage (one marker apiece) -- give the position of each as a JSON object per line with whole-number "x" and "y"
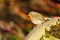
{"x": 13, "y": 37}
{"x": 28, "y": 29}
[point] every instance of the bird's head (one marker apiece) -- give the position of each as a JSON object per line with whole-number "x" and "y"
{"x": 33, "y": 15}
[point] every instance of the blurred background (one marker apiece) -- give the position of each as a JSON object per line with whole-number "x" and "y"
{"x": 16, "y": 11}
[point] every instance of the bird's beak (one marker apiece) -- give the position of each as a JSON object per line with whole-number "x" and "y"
{"x": 30, "y": 16}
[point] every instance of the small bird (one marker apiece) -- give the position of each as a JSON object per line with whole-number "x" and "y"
{"x": 37, "y": 18}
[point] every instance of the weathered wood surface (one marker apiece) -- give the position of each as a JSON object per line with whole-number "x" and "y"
{"x": 39, "y": 30}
